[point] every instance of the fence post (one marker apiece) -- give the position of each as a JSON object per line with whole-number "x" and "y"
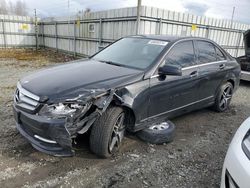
{"x": 207, "y": 32}
{"x": 36, "y": 31}
{"x": 43, "y": 35}
{"x": 74, "y": 25}
{"x": 159, "y": 26}
{"x": 4, "y": 39}
{"x": 100, "y": 33}
{"x": 56, "y": 36}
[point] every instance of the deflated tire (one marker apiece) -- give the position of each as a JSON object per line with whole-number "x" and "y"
{"x": 158, "y": 133}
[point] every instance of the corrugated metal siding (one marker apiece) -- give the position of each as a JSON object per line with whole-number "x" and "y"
{"x": 17, "y": 31}
{"x": 225, "y": 33}
{"x": 74, "y": 35}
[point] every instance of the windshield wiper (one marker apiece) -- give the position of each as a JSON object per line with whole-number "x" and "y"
{"x": 111, "y": 63}
{"x": 116, "y": 64}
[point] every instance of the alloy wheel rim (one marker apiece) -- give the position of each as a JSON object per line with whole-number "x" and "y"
{"x": 117, "y": 133}
{"x": 226, "y": 97}
{"x": 162, "y": 126}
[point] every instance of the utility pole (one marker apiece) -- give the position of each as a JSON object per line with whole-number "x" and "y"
{"x": 232, "y": 19}
{"x": 138, "y": 17}
{"x": 68, "y": 9}
{"x": 231, "y": 27}
{"x": 36, "y": 30}
{"x": 68, "y": 16}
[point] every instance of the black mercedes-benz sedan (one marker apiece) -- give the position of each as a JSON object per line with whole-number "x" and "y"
{"x": 128, "y": 85}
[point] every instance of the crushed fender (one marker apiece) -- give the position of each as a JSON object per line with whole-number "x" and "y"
{"x": 94, "y": 104}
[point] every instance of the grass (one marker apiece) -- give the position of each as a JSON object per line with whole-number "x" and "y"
{"x": 41, "y": 55}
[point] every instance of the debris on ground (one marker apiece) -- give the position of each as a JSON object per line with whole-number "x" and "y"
{"x": 193, "y": 159}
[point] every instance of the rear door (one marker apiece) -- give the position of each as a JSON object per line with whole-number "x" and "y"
{"x": 175, "y": 92}
{"x": 212, "y": 64}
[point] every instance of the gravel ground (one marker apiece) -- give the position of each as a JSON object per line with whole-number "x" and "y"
{"x": 194, "y": 159}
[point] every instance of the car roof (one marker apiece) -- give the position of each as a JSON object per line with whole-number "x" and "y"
{"x": 168, "y": 38}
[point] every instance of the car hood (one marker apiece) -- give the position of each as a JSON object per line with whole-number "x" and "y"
{"x": 72, "y": 79}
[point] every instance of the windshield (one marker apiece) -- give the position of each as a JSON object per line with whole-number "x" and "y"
{"x": 132, "y": 52}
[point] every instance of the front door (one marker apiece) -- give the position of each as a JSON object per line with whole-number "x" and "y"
{"x": 174, "y": 93}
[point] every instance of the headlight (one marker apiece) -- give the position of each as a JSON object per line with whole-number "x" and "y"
{"x": 59, "y": 110}
{"x": 246, "y": 144}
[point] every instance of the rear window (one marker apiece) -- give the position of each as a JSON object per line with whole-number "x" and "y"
{"x": 219, "y": 54}
{"x": 206, "y": 52}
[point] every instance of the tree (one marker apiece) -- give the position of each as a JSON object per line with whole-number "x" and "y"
{"x": 87, "y": 10}
{"x": 11, "y": 8}
{"x": 8, "y": 7}
{"x": 3, "y": 7}
{"x": 20, "y": 8}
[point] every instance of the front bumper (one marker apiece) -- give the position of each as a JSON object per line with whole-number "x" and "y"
{"x": 47, "y": 135}
{"x": 236, "y": 165}
{"x": 245, "y": 75}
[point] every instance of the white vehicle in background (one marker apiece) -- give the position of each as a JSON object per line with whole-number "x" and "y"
{"x": 236, "y": 168}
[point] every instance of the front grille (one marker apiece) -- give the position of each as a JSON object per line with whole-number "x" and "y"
{"x": 25, "y": 99}
{"x": 33, "y": 129}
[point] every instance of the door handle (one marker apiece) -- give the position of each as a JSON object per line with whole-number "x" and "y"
{"x": 222, "y": 66}
{"x": 193, "y": 74}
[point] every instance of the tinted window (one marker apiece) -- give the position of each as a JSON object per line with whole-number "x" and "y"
{"x": 181, "y": 54}
{"x": 132, "y": 52}
{"x": 247, "y": 40}
{"x": 219, "y": 54}
{"x": 206, "y": 52}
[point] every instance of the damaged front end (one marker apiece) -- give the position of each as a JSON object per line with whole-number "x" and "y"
{"x": 53, "y": 127}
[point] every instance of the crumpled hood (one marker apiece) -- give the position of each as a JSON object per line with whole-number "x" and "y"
{"x": 71, "y": 79}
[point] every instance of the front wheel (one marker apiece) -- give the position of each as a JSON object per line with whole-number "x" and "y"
{"x": 107, "y": 132}
{"x": 223, "y": 97}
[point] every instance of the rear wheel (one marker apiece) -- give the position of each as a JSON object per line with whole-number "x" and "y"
{"x": 107, "y": 132}
{"x": 224, "y": 97}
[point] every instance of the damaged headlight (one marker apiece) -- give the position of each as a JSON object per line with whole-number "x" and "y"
{"x": 60, "y": 110}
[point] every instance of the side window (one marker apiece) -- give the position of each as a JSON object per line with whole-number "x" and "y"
{"x": 206, "y": 52}
{"x": 219, "y": 54}
{"x": 181, "y": 54}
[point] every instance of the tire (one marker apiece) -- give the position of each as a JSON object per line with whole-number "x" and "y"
{"x": 223, "y": 97}
{"x": 105, "y": 137}
{"x": 158, "y": 135}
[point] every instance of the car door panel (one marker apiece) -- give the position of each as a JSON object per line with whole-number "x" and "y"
{"x": 212, "y": 69}
{"x": 174, "y": 92}
{"x": 211, "y": 76}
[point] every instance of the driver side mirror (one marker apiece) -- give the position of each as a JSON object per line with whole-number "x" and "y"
{"x": 168, "y": 69}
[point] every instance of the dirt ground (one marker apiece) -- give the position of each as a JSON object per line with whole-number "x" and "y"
{"x": 194, "y": 159}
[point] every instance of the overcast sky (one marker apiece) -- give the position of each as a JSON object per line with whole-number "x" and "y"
{"x": 210, "y": 8}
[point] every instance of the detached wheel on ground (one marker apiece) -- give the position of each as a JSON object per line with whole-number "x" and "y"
{"x": 107, "y": 132}
{"x": 223, "y": 97}
{"x": 158, "y": 134}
